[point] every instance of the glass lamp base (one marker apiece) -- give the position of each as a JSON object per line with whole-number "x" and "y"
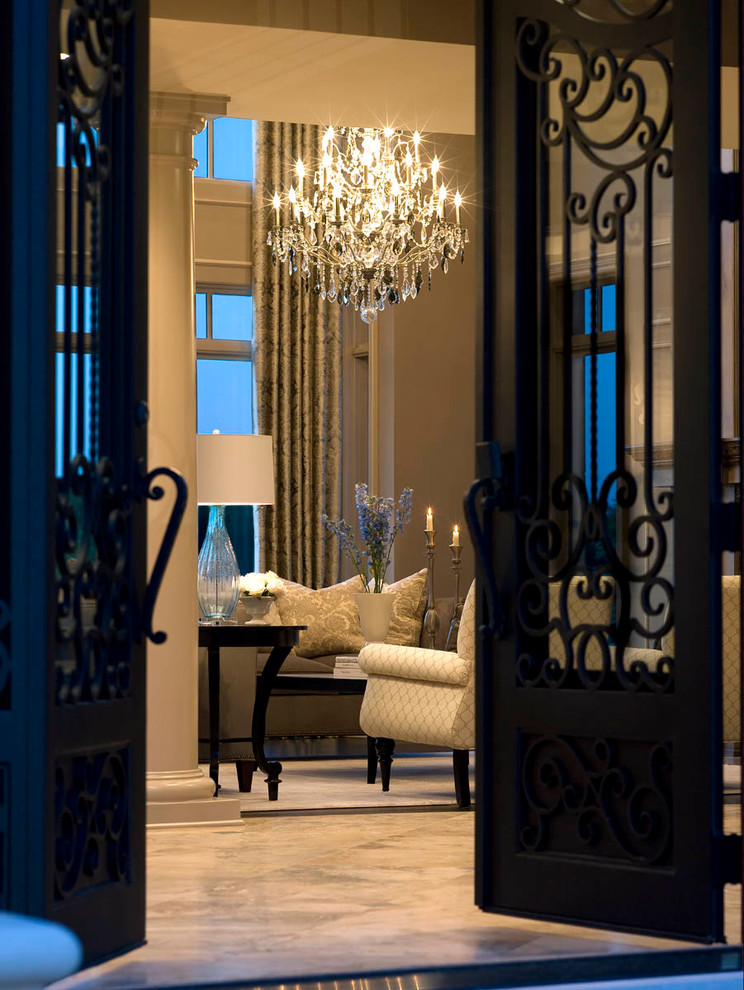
{"x": 218, "y": 576}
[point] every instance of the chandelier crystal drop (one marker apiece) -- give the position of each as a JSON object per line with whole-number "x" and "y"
{"x": 370, "y": 222}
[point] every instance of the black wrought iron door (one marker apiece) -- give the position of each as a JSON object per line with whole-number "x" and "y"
{"x": 75, "y": 604}
{"x": 599, "y": 509}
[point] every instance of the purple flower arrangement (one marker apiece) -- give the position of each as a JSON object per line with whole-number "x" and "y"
{"x": 380, "y": 521}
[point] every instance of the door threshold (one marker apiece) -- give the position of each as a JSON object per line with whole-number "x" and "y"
{"x": 707, "y": 961}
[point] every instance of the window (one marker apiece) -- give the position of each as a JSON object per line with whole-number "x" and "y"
{"x": 224, "y": 149}
{"x": 224, "y": 391}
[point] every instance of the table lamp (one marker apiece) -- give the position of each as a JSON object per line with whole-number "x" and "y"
{"x": 231, "y": 469}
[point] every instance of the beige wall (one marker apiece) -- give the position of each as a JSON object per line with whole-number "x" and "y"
{"x": 427, "y": 398}
{"x": 434, "y": 397}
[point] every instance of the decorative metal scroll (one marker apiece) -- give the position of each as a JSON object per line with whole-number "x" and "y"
{"x": 91, "y": 821}
{"x": 617, "y": 11}
{"x": 98, "y": 612}
{"x": 594, "y": 109}
{"x": 597, "y": 798}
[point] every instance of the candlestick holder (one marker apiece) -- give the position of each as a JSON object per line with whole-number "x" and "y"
{"x": 454, "y": 628}
{"x": 431, "y": 616}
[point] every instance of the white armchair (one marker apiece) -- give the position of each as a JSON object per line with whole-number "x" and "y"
{"x": 423, "y": 696}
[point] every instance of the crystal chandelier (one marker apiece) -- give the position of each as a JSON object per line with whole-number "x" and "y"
{"x": 372, "y": 223}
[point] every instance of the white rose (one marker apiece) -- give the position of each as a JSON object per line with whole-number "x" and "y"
{"x": 273, "y": 583}
{"x": 253, "y": 584}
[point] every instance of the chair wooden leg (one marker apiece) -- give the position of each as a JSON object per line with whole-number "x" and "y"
{"x": 460, "y": 759}
{"x": 245, "y": 770}
{"x": 371, "y": 760}
{"x": 385, "y": 749}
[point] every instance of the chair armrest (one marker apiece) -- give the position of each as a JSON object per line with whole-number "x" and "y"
{"x": 414, "y": 663}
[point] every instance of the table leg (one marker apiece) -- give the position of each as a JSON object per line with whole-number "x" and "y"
{"x": 213, "y": 661}
{"x": 272, "y": 768}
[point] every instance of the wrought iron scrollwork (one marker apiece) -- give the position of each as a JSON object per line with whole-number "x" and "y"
{"x": 486, "y": 495}
{"x": 617, "y": 11}
{"x": 155, "y": 492}
{"x": 584, "y": 797}
{"x": 97, "y": 609}
{"x": 91, "y": 821}
{"x": 596, "y": 102}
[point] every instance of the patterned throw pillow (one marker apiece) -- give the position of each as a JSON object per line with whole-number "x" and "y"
{"x": 332, "y": 617}
{"x": 330, "y": 614}
{"x": 408, "y": 609}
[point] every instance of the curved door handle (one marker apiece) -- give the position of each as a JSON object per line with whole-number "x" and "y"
{"x": 156, "y": 492}
{"x": 489, "y": 492}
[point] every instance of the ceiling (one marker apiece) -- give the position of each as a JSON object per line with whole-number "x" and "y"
{"x": 272, "y": 73}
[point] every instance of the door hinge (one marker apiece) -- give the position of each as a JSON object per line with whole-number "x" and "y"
{"x": 727, "y": 523}
{"x": 729, "y": 196}
{"x": 730, "y": 859}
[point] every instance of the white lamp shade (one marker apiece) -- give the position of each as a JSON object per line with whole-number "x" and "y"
{"x": 234, "y": 469}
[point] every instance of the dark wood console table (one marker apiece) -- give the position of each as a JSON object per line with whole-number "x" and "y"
{"x": 281, "y": 639}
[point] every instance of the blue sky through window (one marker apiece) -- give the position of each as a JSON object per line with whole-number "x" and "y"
{"x": 233, "y": 148}
{"x": 232, "y": 317}
{"x": 606, "y": 395}
{"x": 224, "y": 391}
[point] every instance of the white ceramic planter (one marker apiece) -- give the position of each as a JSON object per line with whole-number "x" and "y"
{"x": 256, "y": 609}
{"x": 374, "y": 615}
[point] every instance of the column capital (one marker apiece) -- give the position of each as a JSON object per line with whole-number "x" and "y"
{"x": 186, "y": 111}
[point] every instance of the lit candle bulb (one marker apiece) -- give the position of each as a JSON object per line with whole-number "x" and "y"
{"x": 416, "y": 143}
{"x": 292, "y": 196}
{"x": 300, "y": 168}
{"x": 409, "y": 166}
{"x": 442, "y": 198}
{"x": 326, "y": 170}
{"x": 455, "y": 535}
{"x": 434, "y": 170}
{"x": 328, "y": 137}
{"x": 429, "y": 521}
{"x": 277, "y": 203}
{"x": 458, "y": 204}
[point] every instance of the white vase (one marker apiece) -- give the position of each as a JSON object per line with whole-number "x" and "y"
{"x": 374, "y": 615}
{"x": 256, "y": 609}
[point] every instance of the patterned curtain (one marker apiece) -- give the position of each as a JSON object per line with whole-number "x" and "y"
{"x": 297, "y": 338}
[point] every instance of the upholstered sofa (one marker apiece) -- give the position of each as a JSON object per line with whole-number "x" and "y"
{"x": 296, "y": 710}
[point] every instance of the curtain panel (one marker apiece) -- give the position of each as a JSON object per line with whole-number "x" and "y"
{"x": 298, "y": 364}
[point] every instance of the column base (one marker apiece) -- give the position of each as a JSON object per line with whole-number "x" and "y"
{"x": 185, "y": 798}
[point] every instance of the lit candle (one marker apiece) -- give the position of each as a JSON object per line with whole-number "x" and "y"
{"x": 442, "y": 198}
{"x": 458, "y": 203}
{"x": 455, "y": 536}
{"x": 429, "y": 521}
{"x": 292, "y": 196}
{"x": 328, "y": 137}
{"x": 434, "y": 170}
{"x": 325, "y": 170}
{"x": 409, "y": 166}
{"x": 277, "y": 203}
{"x": 416, "y": 143}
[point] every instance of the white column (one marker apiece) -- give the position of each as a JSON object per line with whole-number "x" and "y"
{"x": 178, "y": 793}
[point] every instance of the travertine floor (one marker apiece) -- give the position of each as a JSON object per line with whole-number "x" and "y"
{"x": 296, "y": 894}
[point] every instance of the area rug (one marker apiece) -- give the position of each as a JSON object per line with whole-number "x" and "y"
{"x": 320, "y": 785}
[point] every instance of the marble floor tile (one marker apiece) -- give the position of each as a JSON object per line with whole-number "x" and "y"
{"x": 293, "y": 895}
